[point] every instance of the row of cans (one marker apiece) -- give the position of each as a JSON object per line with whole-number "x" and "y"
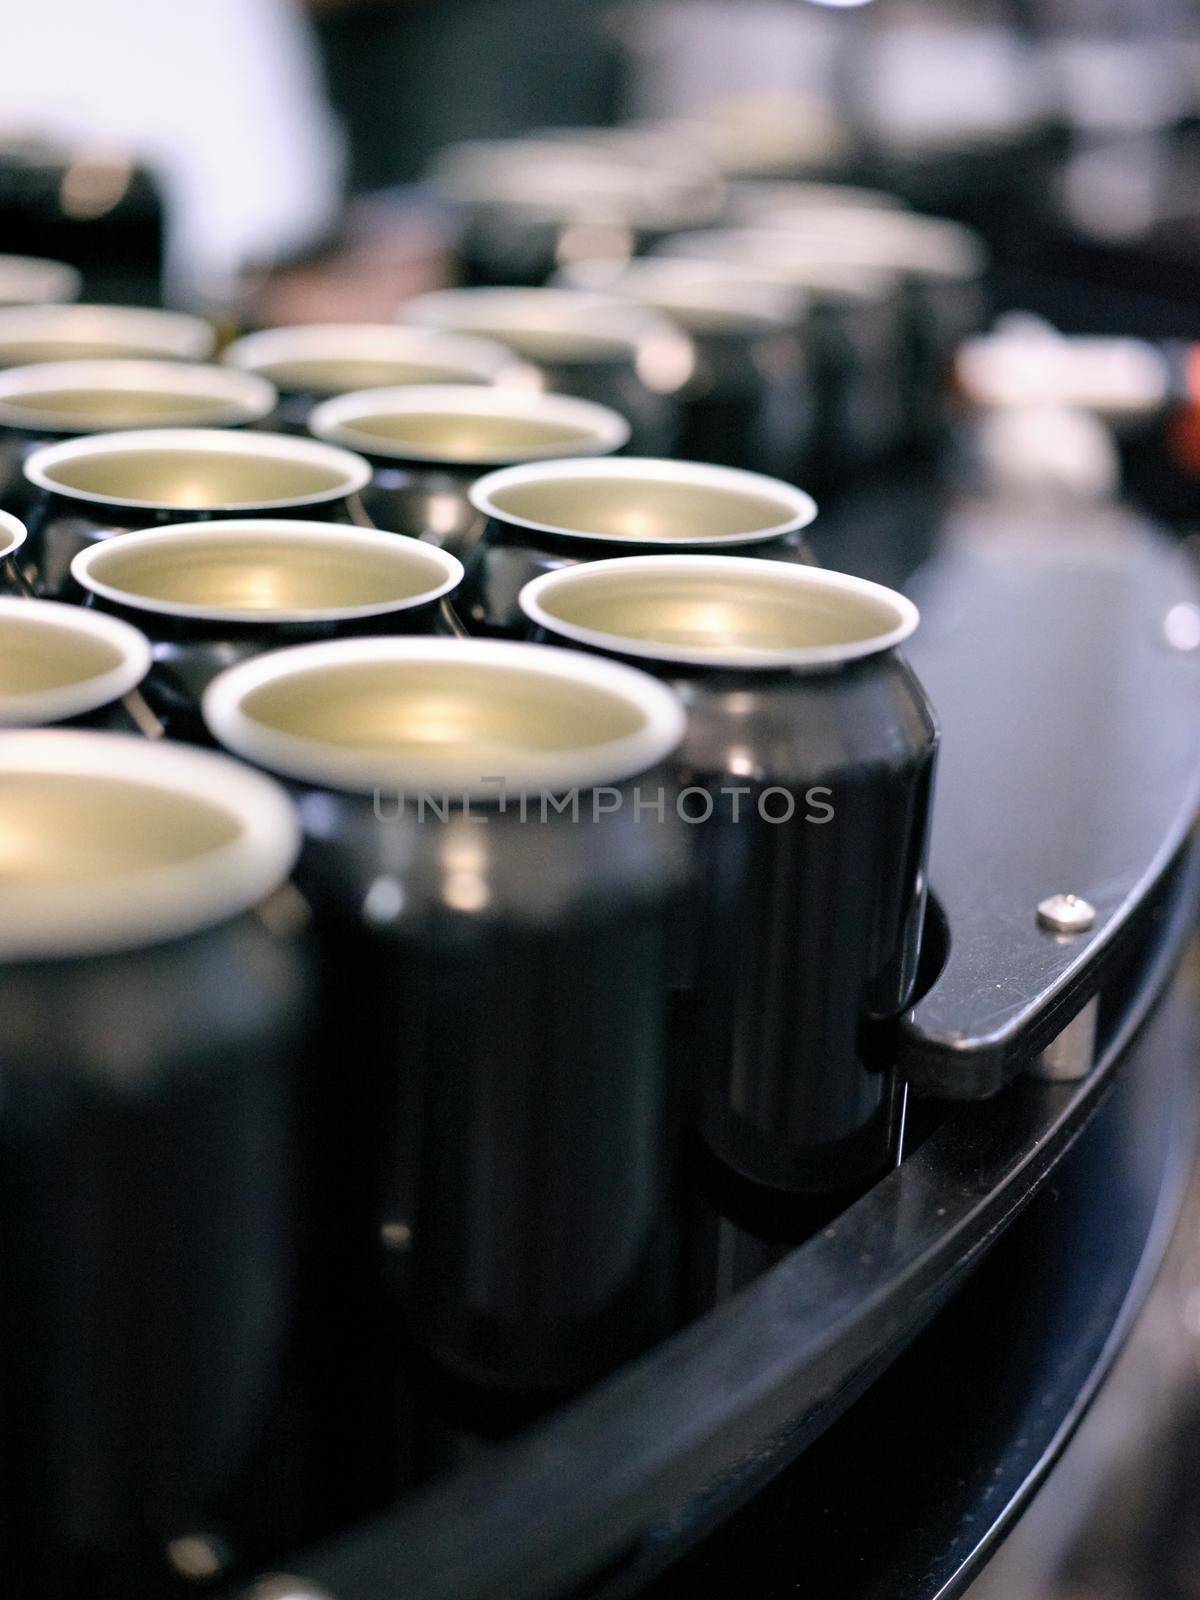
{"x": 739, "y": 347}
{"x": 387, "y": 921}
{"x": 420, "y": 1025}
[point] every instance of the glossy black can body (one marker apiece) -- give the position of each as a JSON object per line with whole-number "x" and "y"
{"x": 862, "y": 376}
{"x": 424, "y": 500}
{"x": 751, "y": 401}
{"x": 655, "y": 417}
{"x": 292, "y": 408}
{"x": 12, "y": 579}
{"x": 507, "y": 555}
{"x": 809, "y": 928}
{"x": 61, "y": 525}
{"x": 497, "y": 976}
{"x": 941, "y": 313}
{"x": 147, "y": 1193}
{"x": 808, "y": 797}
{"x": 498, "y": 247}
{"x": 855, "y": 340}
{"x": 15, "y": 445}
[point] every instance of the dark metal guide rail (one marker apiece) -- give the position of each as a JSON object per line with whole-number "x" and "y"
{"x": 1061, "y": 657}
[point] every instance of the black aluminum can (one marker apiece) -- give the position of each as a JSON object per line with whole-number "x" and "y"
{"x": 750, "y": 401}
{"x": 210, "y": 594}
{"x": 495, "y": 909}
{"x": 90, "y": 488}
{"x": 552, "y": 514}
{"x": 151, "y": 1008}
{"x": 856, "y": 336}
{"x": 596, "y": 347}
{"x": 524, "y": 206}
{"x": 311, "y": 363}
{"x": 61, "y": 666}
{"x": 807, "y": 769}
{"x": 941, "y": 267}
{"x": 429, "y": 443}
{"x": 12, "y": 537}
{"x": 63, "y": 399}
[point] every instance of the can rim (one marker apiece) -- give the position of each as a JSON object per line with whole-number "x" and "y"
{"x": 37, "y": 280}
{"x": 656, "y": 469}
{"x": 247, "y": 397}
{"x": 162, "y": 902}
{"x": 905, "y": 242}
{"x": 704, "y": 296}
{"x": 488, "y": 311}
{"x": 766, "y": 250}
{"x": 86, "y": 694}
{"x": 328, "y": 534}
{"x": 812, "y": 658}
{"x": 314, "y": 761}
{"x": 551, "y": 175}
{"x": 484, "y": 359}
{"x": 334, "y": 419}
{"x": 175, "y": 333}
{"x": 755, "y": 199}
{"x": 354, "y": 470}
{"x": 13, "y": 534}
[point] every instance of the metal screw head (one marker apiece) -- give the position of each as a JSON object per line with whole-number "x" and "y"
{"x": 1066, "y": 913}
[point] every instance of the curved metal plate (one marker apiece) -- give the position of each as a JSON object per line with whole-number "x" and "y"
{"x": 1064, "y": 664}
